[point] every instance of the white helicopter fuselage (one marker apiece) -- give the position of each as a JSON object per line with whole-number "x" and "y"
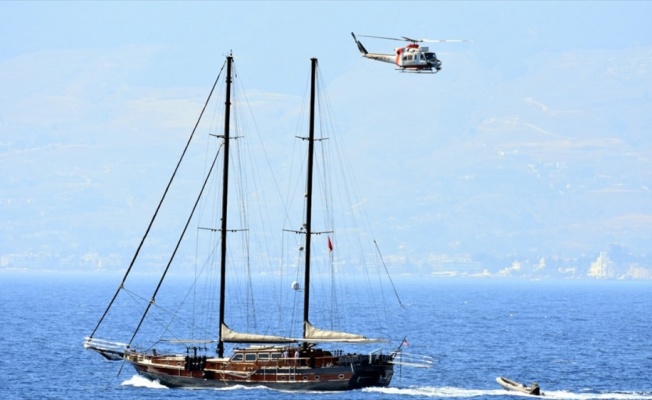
{"x": 410, "y": 58}
{"x": 413, "y": 56}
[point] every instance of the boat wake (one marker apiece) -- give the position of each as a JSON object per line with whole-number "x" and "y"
{"x": 139, "y": 381}
{"x": 454, "y": 392}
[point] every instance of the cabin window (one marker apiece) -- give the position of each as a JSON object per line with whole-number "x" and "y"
{"x": 237, "y": 357}
{"x": 276, "y": 356}
{"x": 263, "y": 356}
{"x": 250, "y": 357}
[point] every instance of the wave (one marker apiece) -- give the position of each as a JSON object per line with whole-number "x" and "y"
{"x": 454, "y": 392}
{"x": 139, "y": 381}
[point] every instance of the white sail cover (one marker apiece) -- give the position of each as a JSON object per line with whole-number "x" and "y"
{"x": 230, "y": 336}
{"x": 321, "y": 335}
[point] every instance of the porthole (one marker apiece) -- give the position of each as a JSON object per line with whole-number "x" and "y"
{"x": 341, "y": 376}
{"x": 305, "y": 378}
{"x": 317, "y": 377}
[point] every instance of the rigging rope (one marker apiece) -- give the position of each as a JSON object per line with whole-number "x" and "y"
{"x": 142, "y": 241}
{"x": 388, "y": 275}
{"x": 166, "y": 326}
{"x": 167, "y": 267}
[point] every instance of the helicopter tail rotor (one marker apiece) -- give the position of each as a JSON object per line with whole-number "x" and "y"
{"x": 360, "y": 46}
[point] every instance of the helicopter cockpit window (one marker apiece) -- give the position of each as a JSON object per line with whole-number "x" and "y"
{"x": 431, "y": 56}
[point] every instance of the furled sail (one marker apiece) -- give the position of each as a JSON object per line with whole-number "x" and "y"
{"x": 321, "y": 335}
{"x": 230, "y": 336}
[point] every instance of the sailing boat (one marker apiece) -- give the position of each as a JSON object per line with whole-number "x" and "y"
{"x": 277, "y": 362}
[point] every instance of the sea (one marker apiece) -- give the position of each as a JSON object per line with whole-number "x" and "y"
{"x": 578, "y": 339}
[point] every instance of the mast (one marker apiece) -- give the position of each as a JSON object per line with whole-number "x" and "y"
{"x": 308, "y": 224}
{"x": 225, "y": 197}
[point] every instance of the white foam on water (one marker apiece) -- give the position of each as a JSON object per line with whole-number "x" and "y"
{"x": 139, "y": 381}
{"x": 454, "y": 392}
{"x": 430, "y": 391}
{"x": 562, "y": 394}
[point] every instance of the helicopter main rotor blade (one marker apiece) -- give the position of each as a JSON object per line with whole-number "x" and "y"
{"x": 408, "y": 39}
{"x": 383, "y": 37}
{"x": 443, "y": 40}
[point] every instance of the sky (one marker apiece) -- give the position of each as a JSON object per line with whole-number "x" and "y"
{"x": 531, "y": 142}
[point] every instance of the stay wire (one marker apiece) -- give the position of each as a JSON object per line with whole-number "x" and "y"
{"x": 142, "y": 241}
{"x": 176, "y": 248}
{"x": 388, "y": 275}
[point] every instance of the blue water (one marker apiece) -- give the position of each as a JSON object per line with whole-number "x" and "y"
{"x": 577, "y": 339}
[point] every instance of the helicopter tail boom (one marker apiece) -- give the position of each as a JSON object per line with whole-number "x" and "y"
{"x": 389, "y": 58}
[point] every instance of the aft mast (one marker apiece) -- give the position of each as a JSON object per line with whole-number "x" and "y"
{"x": 225, "y": 197}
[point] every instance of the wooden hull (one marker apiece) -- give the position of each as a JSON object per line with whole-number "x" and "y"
{"x": 320, "y": 374}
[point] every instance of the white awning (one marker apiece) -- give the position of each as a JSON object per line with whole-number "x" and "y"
{"x": 314, "y": 334}
{"x": 231, "y": 336}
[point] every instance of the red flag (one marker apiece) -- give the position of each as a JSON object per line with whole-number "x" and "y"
{"x": 330, "y": 244}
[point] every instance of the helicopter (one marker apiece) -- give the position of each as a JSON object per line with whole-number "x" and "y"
{"x": 410, "y": 58}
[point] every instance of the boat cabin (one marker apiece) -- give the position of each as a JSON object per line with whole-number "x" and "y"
{"x": 283, "y": 356}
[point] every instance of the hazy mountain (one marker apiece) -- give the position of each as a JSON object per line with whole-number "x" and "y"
{"x": 555, "y": 161}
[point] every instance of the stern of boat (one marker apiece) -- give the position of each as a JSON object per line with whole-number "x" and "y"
{"x": 372, "y": 370}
